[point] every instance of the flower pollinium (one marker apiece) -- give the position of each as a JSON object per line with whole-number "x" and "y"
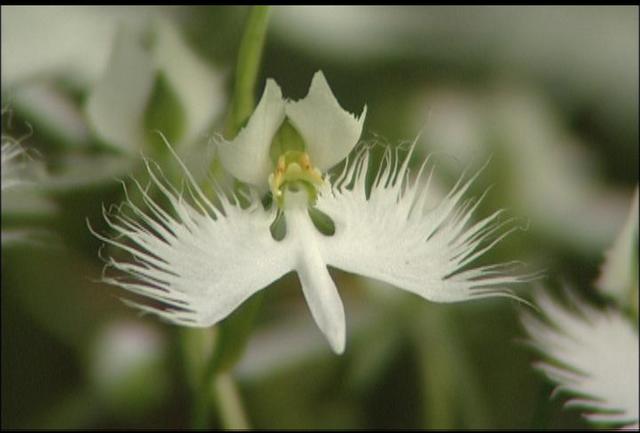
{"x": 294, "y": 173}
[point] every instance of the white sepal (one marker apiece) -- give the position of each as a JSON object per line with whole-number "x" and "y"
{"x": 247, "y": 156}
{"x": 329, "y": 131}
{"x": 393, "y": 235}
{"x": 199, "y": 261}
{"x": 12, "y": 154}
{"x": 593, "y": 355}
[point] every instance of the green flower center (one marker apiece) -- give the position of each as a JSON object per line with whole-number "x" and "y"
{"x": 294, "y": 172}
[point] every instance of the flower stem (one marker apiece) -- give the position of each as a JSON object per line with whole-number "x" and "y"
{"x": 249, "y": 57}
{"x": 217, "y": 384}
{"x": 232, "y": 413}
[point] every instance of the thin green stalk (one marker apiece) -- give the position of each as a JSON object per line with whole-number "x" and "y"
{"x": 232, "y": 413}
{"x": 249, "y": 57}
{"x": 217, "y": 384}
{"x": 446, "y": 370}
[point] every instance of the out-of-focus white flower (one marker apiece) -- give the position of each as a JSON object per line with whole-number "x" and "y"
{"x": 202, "y": 261}
{"x": 545, "y": 173}
{"x": 589, "y": 52}
{"x": 12, "y": 154}
{"x": 118, "y": 103}
{"x": 126, "y": 365}
{"x": 21, "y": 176}
{"x": 594, "y": 356}
{"x": 619, "y": 275}
{"x": 594, "y": 353}
{"x": 67, "y": 41}
{"x": 123, "y": 347}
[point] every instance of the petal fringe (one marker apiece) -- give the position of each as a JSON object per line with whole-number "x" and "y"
{"x": 394, "y": 234}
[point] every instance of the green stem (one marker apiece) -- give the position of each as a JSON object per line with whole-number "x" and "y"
{"x": 232, "y": 413}
{"x": 249, "y": 57}
{"x": 217, "y": 384}
{"x": 447, "y": 369}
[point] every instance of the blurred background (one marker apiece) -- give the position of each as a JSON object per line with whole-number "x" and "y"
{"x": 549, "y": 93}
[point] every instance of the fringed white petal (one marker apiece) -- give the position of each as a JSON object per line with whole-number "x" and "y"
{"x": 12, "y": 153}
{"x": 329, "y": 131}
{"x": 593, "y": 354}
{"x": 318, "y": 287}
{"x": 247, "y": 156}
{"x": 619, "y": 271}
{"x": 199, "y": 261}
{"x": 393, "y": 235}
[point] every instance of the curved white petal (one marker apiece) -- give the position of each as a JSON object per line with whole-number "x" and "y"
{"x": 318, "y": 287}
{"x": 247, "y": 156}
{"x": 618, "y": 271}
{"x": 116, "y": 105}
{"x": 329, "y": 132}
{"x": 196, "y": 85}
{"x": 199, "y": 261}
{"x": 393, "y": 235}
{"x": 12, "y": 153}
{"x": 594, "y": 355}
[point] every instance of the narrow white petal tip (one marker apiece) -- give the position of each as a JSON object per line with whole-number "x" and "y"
{"x": 329, "y": 131}
{"x": 337, "y": 341}
{"x": 617, "y": 276}
{"x": 247, "y": 156}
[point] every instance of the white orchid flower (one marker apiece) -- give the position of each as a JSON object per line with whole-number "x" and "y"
{"x": 594, "y": 356}
{"x": 11, "y": 154}
{"x": 202, "y": 260}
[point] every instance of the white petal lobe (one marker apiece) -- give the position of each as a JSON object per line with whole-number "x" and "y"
{"x": 247, "y": 156}
{"x": 318, "y": 287}
{"x": 593, "y": 355}
{"x": 392, "y": 235}
{"x": 199, "y": 261}
{"x": 329, "y": 131}
{"x": 12, "y": 152}
{"x": 618, "y": 274}
{"x": 116, "y": 105}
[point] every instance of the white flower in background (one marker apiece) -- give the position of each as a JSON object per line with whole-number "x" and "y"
{"x": 619, "y": 275}
{"x": 135, "y": 69}
{"x": 594, "y": 357}
{"x": 548, "y": 173}
{"x": 12, "y": 154}
{"x": 202, "y": 261}
{"x": 21, "y": 178}
{"x": 594, "y": 353}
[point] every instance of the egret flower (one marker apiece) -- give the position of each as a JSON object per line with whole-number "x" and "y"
{"x": 202, "y": 260}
